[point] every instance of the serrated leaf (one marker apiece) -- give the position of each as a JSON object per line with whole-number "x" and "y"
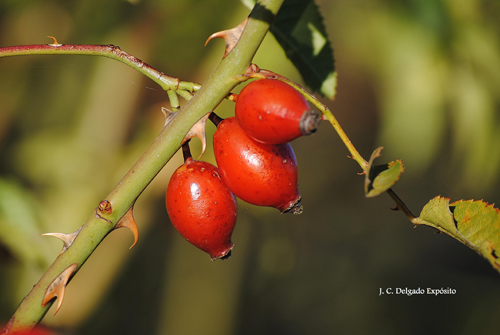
{"x": 300, "y": 31}
{"x": 474, "y": 223}
{"x": 479, "y": 223}
{"x": 437, "y": 214}
{"x": 381, "y": 177}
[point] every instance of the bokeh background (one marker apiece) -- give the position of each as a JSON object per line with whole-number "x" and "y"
{"x": 421, "y": 78}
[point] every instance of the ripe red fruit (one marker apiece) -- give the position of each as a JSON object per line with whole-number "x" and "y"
{"x": 271, "y": 111}
{"x": 202, "y": 208}
{"x": 258, "y": 173}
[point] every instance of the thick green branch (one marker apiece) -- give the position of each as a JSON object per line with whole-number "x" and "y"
{"x": 214, "y": 90}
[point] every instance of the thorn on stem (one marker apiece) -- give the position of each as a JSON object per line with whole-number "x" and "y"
{"x": 198, "y": 130}
{"x": 252, "y": 69}
{"x": 230, "y": 36}
{"x": 67, "y": 239}
{"x": 58, "y": 287}
{"x": 128, "y": 221}
{"x": 55, "y": 44}
{"x": 168, "y": 114}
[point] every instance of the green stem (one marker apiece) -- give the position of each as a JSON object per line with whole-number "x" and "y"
{"x": 327, "y": 114}
{"x": 109, "y": 51}
{"x": 400, "y": 205}
{"x": 174, "y": 101}
{"x": 216, "y": 88}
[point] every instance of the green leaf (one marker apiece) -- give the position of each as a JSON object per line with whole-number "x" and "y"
{"x": 474, "y": 223}
{"x": 381, "y": 177}
{"x": 300, "y": 31}
{"x": 437, "y": 214}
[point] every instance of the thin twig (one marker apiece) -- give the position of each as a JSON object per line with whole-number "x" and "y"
{"x": 109, "y": 51}
{"x": 400, "y": 205}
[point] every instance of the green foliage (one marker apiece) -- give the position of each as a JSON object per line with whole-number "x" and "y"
{"x": 380, "y": 178}
{"x": 300, "y": 31}
{"x": 474, "y": 223}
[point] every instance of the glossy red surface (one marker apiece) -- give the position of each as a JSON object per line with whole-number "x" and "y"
{"x": 270, "y": 111}
{"x": 258, "y": 173}
{"x": 201, "y": 207}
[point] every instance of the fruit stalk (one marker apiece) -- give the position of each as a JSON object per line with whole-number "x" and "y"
{"x": 328, "y": 115}
{"x": 255, "y": 72}
{"x": 201, "y": 207}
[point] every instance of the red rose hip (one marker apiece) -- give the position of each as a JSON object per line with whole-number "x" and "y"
{"x": 271, "y": 111}
{"x": 258, "y": 173}
{"x": 202, "y": 208}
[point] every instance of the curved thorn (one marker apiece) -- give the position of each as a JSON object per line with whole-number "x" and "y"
{"x": 230, "y": 36}
{"x": 127, "y": 221}
{"x": 55, "y": 44}
{"x": 58, "y": 286}
{"x": 67, "y": 239}
{"x": 198, "y": 130}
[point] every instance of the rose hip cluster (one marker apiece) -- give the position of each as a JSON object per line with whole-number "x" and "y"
{"x": 255, "y": 163}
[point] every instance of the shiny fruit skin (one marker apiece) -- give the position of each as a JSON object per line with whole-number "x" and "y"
{"x": 258, "y": 173}
{"x": 271, "y": 111}
{"x": 202, "y": 208}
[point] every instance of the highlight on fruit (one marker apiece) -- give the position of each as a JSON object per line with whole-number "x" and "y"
{"x": 273, "y": 112}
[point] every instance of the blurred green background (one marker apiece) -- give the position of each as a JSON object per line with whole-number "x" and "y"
{"x": 421, "y": 78}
